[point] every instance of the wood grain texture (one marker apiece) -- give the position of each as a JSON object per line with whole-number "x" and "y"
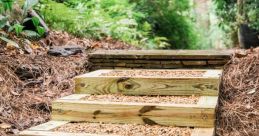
{"x": 193, "y": 115}
{"x": 195, "y": 63}
{"x": 48, "y": 126}
{"x": 96, "y": 84}
{"x": 164, "y": 54}
{"x": 203, "y": 132}
{"x": 45, "y": 129}
{"x": 50, "y": 133}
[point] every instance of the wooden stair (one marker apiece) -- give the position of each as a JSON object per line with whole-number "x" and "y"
{"x": 200, "y": 116}
{"x": 158, "y": 59}
{"x": 46, "y": 129}
{"x": 205, "y": 84}
{"x": 74, "y": 108}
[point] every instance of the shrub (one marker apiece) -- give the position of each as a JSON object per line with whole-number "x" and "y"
{"x": 145, "y": 23}
{"x": 171, "y": 19}
{"x": 233, "y": 14}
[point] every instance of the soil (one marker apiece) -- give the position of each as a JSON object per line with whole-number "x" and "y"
{"x": 30, "y": 78}
{"x": 124, "y": 130}
{"x": 154, "y": 73}
{"x": 144, "y": 99}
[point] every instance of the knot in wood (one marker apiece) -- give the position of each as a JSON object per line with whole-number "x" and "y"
{"x": 128, "y": 86}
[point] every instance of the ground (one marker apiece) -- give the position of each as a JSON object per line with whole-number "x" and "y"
{"x": 238, "y": 110}
{"x": 30, "y": 79}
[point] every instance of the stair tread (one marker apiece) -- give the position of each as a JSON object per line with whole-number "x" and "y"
{"x": 101, "y": 129}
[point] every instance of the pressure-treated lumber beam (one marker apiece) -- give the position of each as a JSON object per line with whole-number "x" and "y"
{"x": 203, "y": 132}
{"x": 94, "y": 83}
{"x": 161, "y": 54}
{"x": 194, "y": 115}
{"x": 45, "y": 130}
{"x": 50, "y": 133}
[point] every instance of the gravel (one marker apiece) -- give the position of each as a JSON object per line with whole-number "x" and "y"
{"x": 124, "y": 129}
{"x": 144, "y": 99}
{"x": 154, "y": 73}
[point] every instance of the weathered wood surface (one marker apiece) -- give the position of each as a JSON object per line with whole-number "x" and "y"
{"x": 164, "y": 54}
{"x": 45, "y": 130}
{"x": 159, "y": 59}
{"x": 194, "y": 115}
{"x": 48, "y": 126}
{"x": 50, "y": 133}
{"x": 93, "y": 83}
{"x": 203, "y": 132}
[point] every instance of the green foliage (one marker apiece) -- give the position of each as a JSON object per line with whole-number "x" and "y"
{"x": 11, "y": 20}
{"x": 36, "y": 23}
{"x": 134, "y": 22}
{"x": 171, "y": 19}
{"x": 18, "y": 28}
{"x": 7, "y": 4}
{"x": 99, "y": 19}
{"x": 232, "y": 15}
{"x": 251, "y": 8}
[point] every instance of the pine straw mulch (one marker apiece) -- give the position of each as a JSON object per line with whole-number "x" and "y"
{"x": 238, "y": 110}
{"x": 29, "y": 82}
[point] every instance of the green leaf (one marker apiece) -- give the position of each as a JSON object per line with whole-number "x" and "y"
{"x": 40, "y": 30}
{"x": 30, "y": 34}
{"x": 28, "y": 5}
{"x": 3, "y": 21}
{"x": 35, "y": 21}
{"x": 8, "y": 5}
{"x": 18, "y": 28}
{"x": 10, "y": 41}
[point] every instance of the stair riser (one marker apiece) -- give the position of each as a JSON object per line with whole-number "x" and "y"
{"x": 93, "y": 83}
{"x": 194, "y": 115}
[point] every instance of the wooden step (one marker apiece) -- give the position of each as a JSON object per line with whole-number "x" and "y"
{"x": 205, "y": 83}
{"x": 76, "y": 108}
{"x": 159, "y": 59}
{"x": 47, "y": 129}
{"x": 162, "y": 54}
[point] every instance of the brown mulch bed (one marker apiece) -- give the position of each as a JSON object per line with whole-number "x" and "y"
{"x": 238, "y": 110}
{"x": 30, "y": 81}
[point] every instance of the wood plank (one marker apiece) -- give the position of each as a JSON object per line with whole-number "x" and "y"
{"x": 195, "y": 63}
{"x": 45, "y": 130}
{"x": 165, "y": 54}
{"x": 172, "y": 66}
{"x": 96, "y": 84}
{"x": 208, "y": 101}
{"x": 217, "y": 62}
{"x": 50, "y": 133}
{"x": 203, "y": 132}
{"x": 171, "y": 62}
{"x": 48, "y": 126}
{"x": 193, "y": 115}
